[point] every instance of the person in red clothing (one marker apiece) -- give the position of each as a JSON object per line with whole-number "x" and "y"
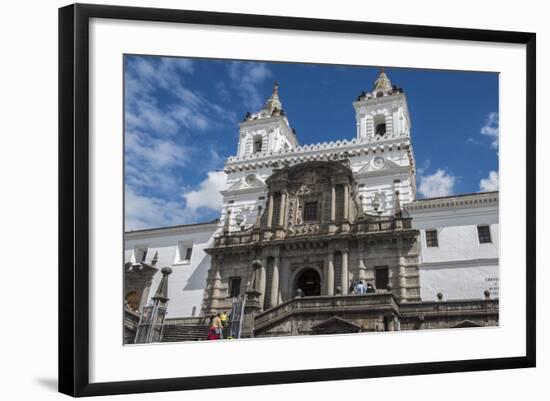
{"x": 214, "y": 332}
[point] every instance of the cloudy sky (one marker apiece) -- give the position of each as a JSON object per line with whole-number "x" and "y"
{"x": 181, "y": 119}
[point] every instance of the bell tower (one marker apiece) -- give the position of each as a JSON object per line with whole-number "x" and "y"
{"x": 267, "y": 131}
{"x": 386, "y": 176}
{"x": 383, "y": 112}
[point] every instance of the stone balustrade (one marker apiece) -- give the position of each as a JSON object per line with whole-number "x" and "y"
{"x": 368, "y": 224}
{"x": 322, "y": 150}
{"x": 327, "y": 304}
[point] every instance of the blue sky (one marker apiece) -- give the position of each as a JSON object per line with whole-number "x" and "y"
{"x": 182, "y": 115}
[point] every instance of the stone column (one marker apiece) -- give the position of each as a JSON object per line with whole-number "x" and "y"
{"x": 345, "y": 277}
{"x": 361, "y": 266}
{"x": 274, "y": 296}
{"x": 346, "y": 202}
{"x": 333, "y": 203}
{"x": 262, "y": 286}
{"x": 251, "y": 309}
{"x": 362, "y": 273}
{"x": 329, "y": 273}
{"x": 402, "y": 280}
{"x": 270, "y": 210}
{"x": 282, "y": 210}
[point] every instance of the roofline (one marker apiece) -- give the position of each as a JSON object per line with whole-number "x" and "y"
{"x": 204, "y": 223}
{"x": 456, "y": 196}
{"x": 462, "y": 201}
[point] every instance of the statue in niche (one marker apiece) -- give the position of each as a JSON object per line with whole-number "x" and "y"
{"x": 304, "y": 189}
{"x": 291, "y": 214}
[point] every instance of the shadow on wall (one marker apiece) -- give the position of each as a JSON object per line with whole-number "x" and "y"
{"x": 197, "y": 281}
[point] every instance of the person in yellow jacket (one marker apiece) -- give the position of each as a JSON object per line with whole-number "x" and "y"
{"x": 224, "y": 319}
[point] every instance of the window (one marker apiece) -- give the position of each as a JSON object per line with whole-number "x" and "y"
{"x": 310, "y": 211}
{"x": 258, "y": 144}
{"x": 381, "y": 129}
{"x": 381, "y": 277}
{"x": 234, "y": 287}
{"x": 185, "y": 251}
{"x": 188, "y": 253}
{"x": 431, "y": 238}
{"x": 140, "y": 254}
{"x": 484, "y": 234}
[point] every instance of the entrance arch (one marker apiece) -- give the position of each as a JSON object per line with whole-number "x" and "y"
{"x": 309, "y": 281}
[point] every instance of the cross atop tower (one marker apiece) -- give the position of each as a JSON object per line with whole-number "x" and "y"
{"x": 274, "y": 103}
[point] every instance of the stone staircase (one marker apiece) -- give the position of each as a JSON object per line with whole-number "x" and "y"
{"x": 176, "y": 333}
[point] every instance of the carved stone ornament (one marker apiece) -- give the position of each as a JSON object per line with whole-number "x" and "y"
{"x": 378, "y": 162}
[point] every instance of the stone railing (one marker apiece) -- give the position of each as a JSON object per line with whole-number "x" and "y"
{"x": 326, "y": 304}
{"x": 131, "y": 319}
{"x": 459, "y": 307}
{"x": 367, "y": 224}
{"x": 185, "y": 321}
{"x": 324, "y": 147}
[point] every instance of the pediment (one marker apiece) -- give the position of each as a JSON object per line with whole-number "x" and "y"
{"x": 379, "y": 164}
{"x": 336, "y": 325}
{"x": 246, "y": 184}
{"x": 465, "y": 324}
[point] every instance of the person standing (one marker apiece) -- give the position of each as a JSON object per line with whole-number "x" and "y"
{"x": 360, "y": 288}
{"x": 212, "y": 331}
{"x": 217, "y": 323}
{"x": 224, "y": 319}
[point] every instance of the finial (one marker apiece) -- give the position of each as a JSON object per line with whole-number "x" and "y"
{"x": 257, "y": 224}
{"x": 227, "y": 220}
{"x": 397, "y": 205}
{"x": 273, "y": 102}
{"x": 162, "y": 290}
{"x": 382, "y": 83}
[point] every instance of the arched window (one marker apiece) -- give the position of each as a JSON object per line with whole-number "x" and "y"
{"x": 132, "y": 300}
{"x": 257, "y": 145}
{"x": 380, "y": 125}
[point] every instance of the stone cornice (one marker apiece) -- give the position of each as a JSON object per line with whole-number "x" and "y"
{"x": 482, "y": 199}
{"x": 320, "y": 151}
{"x": 460, "y": 263}
{"x": 174, "y": 230}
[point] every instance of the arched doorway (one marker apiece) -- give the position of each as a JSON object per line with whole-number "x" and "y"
{"x": 309, "y": 281}
{"x": 132, "y": 299}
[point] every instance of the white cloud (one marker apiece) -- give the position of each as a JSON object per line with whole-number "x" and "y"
{"x": 425, "y": 166}
{"x": 146, "y": 212}
{"x": 208, "y": 193}
{"x": 147, "y": 77}
{"x": 440, "y": 183}
{"x": 473, "y": 141}
{"x": 246, "y": 77}
{"x": 154, "y": 153}
{"x": 491, "y": 128}
{"x": 490, "y": 183}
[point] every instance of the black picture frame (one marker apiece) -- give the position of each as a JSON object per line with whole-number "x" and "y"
{"x": 74, "y": 198}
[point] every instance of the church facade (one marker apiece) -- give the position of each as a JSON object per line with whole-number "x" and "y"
{"x": 302, "y": 224}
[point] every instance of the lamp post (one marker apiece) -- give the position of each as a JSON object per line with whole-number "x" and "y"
{"x": 376, "y": 207}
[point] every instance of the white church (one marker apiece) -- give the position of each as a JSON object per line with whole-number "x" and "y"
{"x": 458, "y": 250}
